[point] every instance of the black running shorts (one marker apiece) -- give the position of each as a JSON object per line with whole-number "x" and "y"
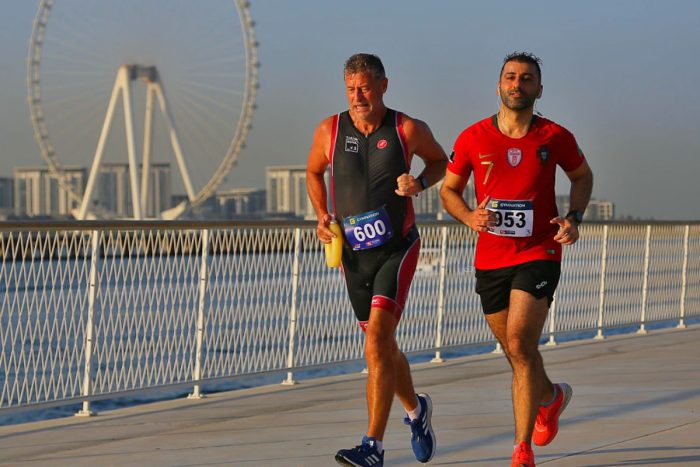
{"x": 381, "y": 277}
{"x": 538, "y": 278}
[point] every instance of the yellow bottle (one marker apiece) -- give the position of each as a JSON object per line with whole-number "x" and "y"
{"x": 334, "y": 249}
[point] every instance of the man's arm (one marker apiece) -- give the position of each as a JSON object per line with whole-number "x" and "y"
{"x": 581, "y": 187}
{"x": 315, "y": 184}
{"x": 579, "y": 195}
{"x": 422, "y": 143}
{"x": 451, "y": 194}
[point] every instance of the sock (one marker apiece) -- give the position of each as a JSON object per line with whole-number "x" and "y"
{"x": 380, "y": 446}
{"x": 554, "y": 396}
{"x": 415, "y": 413}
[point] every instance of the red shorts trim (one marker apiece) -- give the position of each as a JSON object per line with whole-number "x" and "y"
{"x": 387, "y": 304}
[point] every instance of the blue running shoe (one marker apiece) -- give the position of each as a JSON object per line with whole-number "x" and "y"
{"x": 364, "y": 455}
{"x": 422, "y": 437}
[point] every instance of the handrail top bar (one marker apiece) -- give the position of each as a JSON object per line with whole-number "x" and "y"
{"x": 148, "y": 224}
{"x": 222, "y": 224}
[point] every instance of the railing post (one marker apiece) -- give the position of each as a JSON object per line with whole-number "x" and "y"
{"x": 90, "y": 325}
{"x": 552, "y": 317}
{"x": 684, "y": 280}
{"x": 441, "y": 295}
{"x": 293, "y": 311}
{"x": 645, "y": 283}
{"x": 203, "y": 280}
{"x": 603, "y": 266}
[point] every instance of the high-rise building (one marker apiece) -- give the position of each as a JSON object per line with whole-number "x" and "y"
{"x": 601, "y": 210}
{"x": 114, "y": 189}
{"x": 159, "y": 189}
{"x": 37, "y": 192}
{"x": 286, "y": 191}
{"x": 428, "y": 205}
{"x": 242, "y": 202}
{"x": 597, "y": 210}
{"x": 7, "y": 195}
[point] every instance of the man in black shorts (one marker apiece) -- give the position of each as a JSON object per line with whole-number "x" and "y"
{"x": 514, "y": 157}
{"x": 369, "y": 149}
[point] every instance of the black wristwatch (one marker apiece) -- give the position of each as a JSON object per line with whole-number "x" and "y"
{"x": 423, "y": 182}
{"x": 576, "y": 215}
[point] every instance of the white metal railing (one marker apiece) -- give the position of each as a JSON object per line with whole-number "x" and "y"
{"x": 92, "y": 310}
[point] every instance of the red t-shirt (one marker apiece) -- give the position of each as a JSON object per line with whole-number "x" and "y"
{"x": 518, "y": 175}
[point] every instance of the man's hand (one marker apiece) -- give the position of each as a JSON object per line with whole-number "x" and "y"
{"x": 568, "y": 231}
{"x": 481, "y": 218}
{"x": 407, "y": 185}
{"x": 322, "y": 231}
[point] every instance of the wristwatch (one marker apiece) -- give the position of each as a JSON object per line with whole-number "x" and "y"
{"x": 576, "y": 215}
{"x": 423, "y": 182}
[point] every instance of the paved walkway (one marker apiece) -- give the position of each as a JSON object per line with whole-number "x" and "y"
{"x": 636, "y": 403}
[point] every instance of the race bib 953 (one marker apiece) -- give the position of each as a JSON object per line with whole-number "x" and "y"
{"x": 513, "y": 218}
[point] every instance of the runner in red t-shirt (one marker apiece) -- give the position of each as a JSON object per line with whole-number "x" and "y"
{"x": 513, "y": 156}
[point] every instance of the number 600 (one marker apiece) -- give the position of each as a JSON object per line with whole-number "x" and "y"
{"x": 369, "y": 231}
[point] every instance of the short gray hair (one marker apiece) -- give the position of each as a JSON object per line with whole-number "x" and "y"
{"x": 364, "y": 63}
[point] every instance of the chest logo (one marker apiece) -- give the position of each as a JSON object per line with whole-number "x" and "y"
{"x": 381, "y": 144}
{"x": 543, "y": 154}
{"x": 352, "y": 144}
{"x": 515, "y": 155}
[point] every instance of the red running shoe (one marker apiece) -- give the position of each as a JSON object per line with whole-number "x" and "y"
{"x": 547, "y": 420}
{"x": 523, "y": 456}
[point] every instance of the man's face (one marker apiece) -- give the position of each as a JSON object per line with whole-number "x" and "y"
{"x": 519, "y": 85}
{"x": 365, "y": 94}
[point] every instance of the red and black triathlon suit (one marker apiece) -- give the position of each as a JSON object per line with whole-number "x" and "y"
{"x": 518, "y": 176}
{"x": 381, "y": 246}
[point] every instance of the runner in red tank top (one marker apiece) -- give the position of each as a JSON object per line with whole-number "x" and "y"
{"x": 513, "y": 156}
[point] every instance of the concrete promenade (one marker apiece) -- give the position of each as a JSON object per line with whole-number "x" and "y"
{"x": 636, "y": 403}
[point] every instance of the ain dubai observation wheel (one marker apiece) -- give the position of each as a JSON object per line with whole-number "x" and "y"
{"x": 125, "y": 89}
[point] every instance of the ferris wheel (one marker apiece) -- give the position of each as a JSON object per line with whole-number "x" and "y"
{"x": 153, "y": 99}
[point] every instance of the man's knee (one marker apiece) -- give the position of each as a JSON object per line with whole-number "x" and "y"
{"x": 379, "y": 339}
{"x": 522, "y": 350}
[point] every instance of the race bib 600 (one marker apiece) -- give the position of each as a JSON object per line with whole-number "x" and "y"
{"x": 368, "y": 230}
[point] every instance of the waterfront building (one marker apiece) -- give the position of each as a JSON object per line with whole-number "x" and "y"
{"x": 114, "y": 189}
{"x": 242, "y": 202}
{"x": 37, "y": 191}
{"x": 597, "y": 210}
{"x": 7, "y": 195}
{"x": 286, "y": 192}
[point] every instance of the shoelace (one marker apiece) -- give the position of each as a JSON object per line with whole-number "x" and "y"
{"x": 365, "y": 449}
{"x": 416, "y": 428}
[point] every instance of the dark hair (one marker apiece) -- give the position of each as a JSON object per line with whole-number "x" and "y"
{"x": 364, "y": 63}
{"x": 523, "y": 57}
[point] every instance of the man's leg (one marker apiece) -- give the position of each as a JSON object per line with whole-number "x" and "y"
{"x": 498, "y": 323}
{"x": 404, "y": 382}
{"x": 386, "y": 371}
{"x": 391, "y": 285}
{"x": 389, "y": 374}
{"x": 526, "y": 317}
